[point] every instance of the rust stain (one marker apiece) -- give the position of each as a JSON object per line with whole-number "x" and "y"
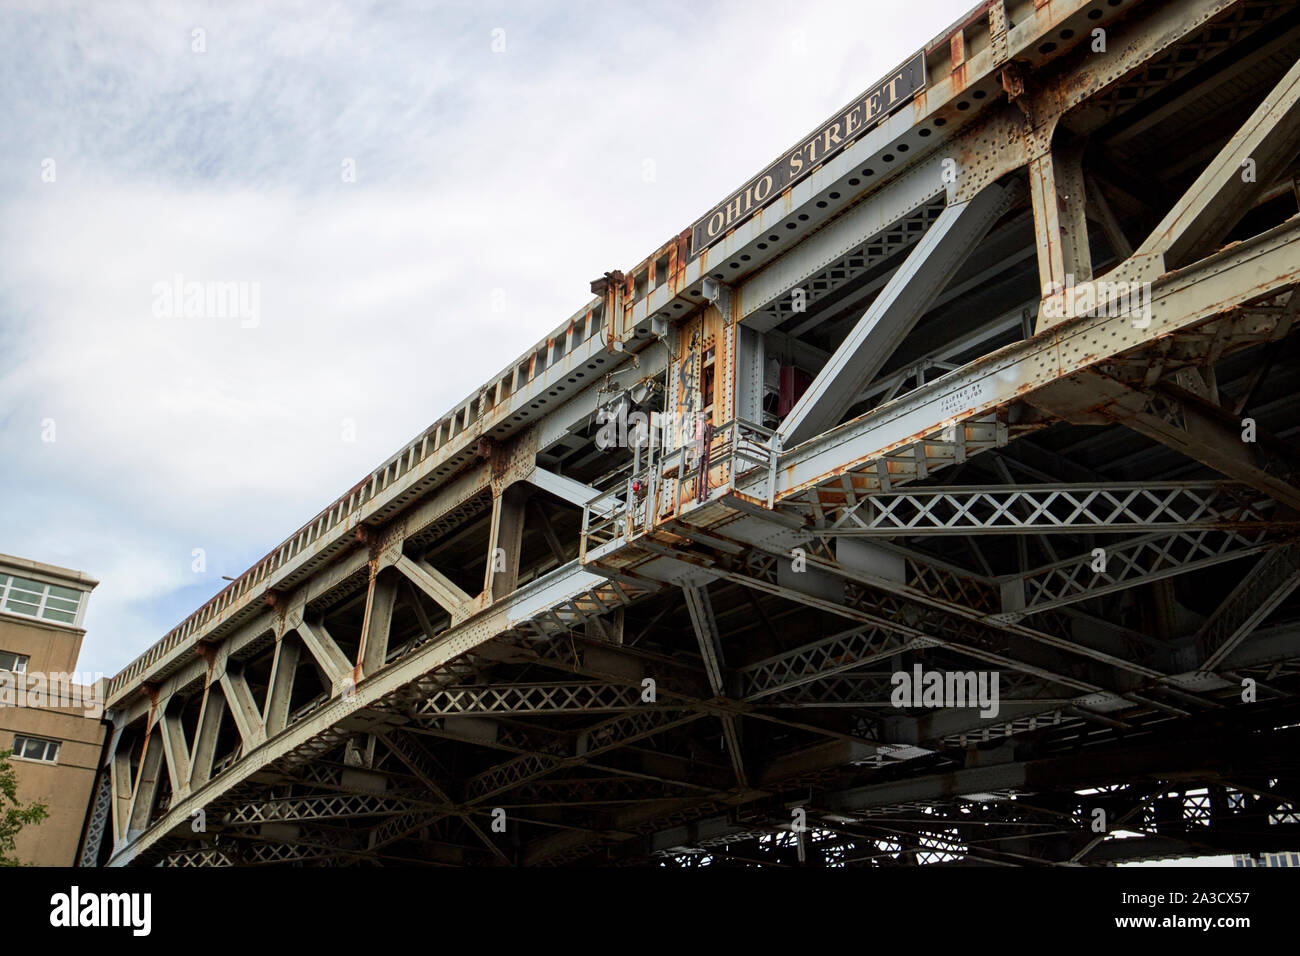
{"x": 206, "y": 653}
{"x": 681, "y": 256}
{"x": 977, "y": 16}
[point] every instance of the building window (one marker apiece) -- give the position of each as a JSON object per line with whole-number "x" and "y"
{"x": 38, "y": 599}
{"x": 13, "y": 662}
{"x": 36, "y": 748}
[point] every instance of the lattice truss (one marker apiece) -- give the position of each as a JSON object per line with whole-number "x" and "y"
{"x": 1143, "y": 558}
{"x": 1105, "y": 824}
{"x": 996, "y": 826}
{"x": 1117, "y": 508}
{"x": 821, "y": 673}
{"x": 880, "y": 248}
{"x": 917, "y": 461}
{"x": 676, "y": 703}
{"x": 1202, "y": 46}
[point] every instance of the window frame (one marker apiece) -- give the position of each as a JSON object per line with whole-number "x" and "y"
{"x": 20, "y": 661}
{"x": 29, "y": 738}
{"x": 46, "y": 593}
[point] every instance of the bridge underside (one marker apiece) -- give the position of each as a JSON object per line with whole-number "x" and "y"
{"x": 1099, "y": 512}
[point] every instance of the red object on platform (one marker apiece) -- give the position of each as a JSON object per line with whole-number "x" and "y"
{"x": 794, "y": 382}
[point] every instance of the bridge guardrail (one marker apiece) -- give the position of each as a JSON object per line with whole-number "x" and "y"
{"x": 689, "y": 474}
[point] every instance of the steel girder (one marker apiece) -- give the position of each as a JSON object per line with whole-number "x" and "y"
{"x": 1040, "y": 811}
{"x": 705, "y": 626}
{"x": 507, "y": 699}
{"x": 334, "y": 806}
{"x": 828, "y": 657}
{"x": 942, "y": 423}
{"x": 1055, "y": 509}
{"x": 1010, "y": 830}
{"x": 907, "y": 295}
{"x": 1124, "y": 564}
{"x": 1269, "y": 582}
{"x": 599, "y": 738}
{"x": 509, "y": 668}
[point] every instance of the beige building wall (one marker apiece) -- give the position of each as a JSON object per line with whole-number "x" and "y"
{"x": 38, "y": 645}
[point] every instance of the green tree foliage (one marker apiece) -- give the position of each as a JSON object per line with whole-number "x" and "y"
{"x": 13, "y": 815}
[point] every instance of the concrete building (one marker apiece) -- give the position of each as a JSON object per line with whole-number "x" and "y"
{"x": 49, "y": 714}
{"x": 1266, "y": 859}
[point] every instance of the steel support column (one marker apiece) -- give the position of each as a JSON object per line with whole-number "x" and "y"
{"x": 928, "y": 268}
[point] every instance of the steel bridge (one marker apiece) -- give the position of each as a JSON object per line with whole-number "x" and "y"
{"x": 991, "y": 376}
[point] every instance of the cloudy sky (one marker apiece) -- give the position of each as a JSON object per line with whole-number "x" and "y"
{"x": 373, "y": 173}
